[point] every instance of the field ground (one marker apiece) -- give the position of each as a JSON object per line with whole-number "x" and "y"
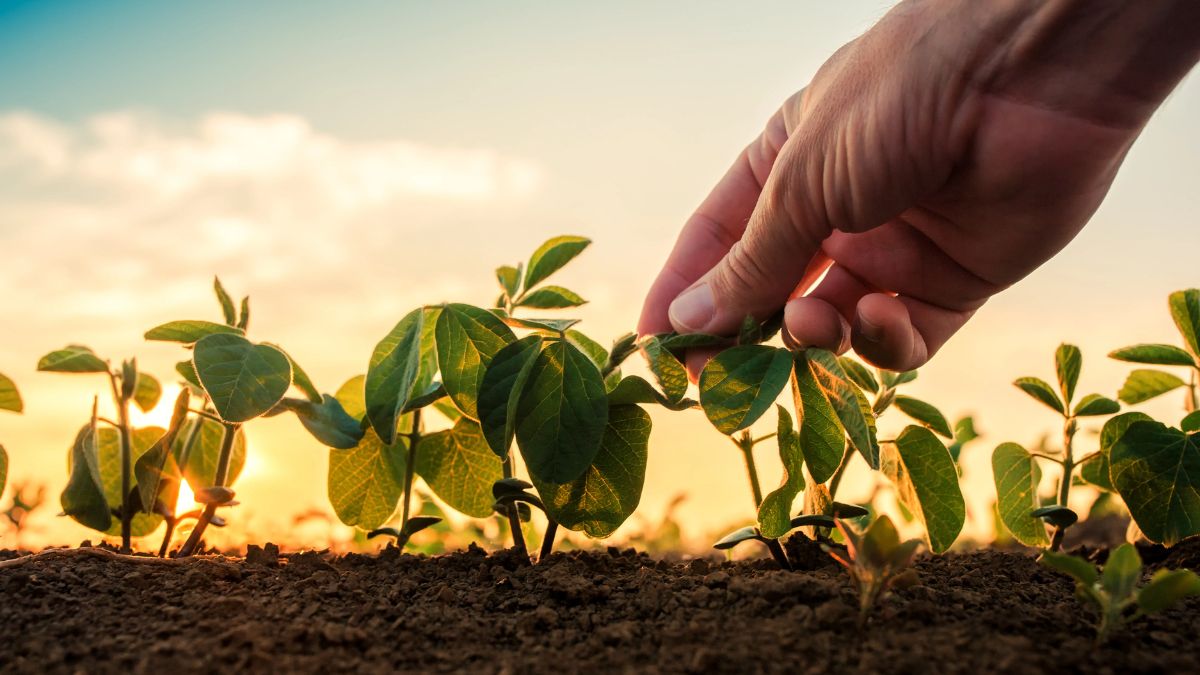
{"x": 981, "y": 611}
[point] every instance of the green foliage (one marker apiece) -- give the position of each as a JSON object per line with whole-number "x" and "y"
{"x": 926, "y": 414}
{"x": 500, "y": 391}
{"x": 774, "y": 514}
{"x": 551, "y": 257}
{"x": 72, "y": 359}
{"x": 822, "y": 436}
{"x": 926, "y": 481}
{"x": 849, "y": 403}
{"x": 242, "y": 379}
{"x": 10, "y": 398}
{"x": 1143, "y": 384}
{"x": 190, "y": 332}
{"x": 460, "y": 468}
{"x": 83, "y": 499}
{"x": 876, "y": 559}
{"x": 740, "y": 384}
{"x": 667, "y": 369}
{"x": 1041, "y": 391}
{"x": 1017, "y": 477}
{"x": 1116, "y": 593}
{"x": 467, "y": 339}
{"x": 1156, "y": 470}
{"x": 366, "y": 482}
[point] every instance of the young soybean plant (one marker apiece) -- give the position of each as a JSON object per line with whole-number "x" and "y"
{"x": 1016, "y": 470}
{"x": 1115, "y": 593}
{"x": 10, "y": 399}
{"x": 555, "y": 392}
{"x": 117, "y": 447}
{"x": 876, "y": 559}
{"x": 1145, "y": 384}
{"x": 836, "y": 421}
{"x": 239, "y": 381}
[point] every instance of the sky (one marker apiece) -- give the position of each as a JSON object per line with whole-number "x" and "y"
{"x": 342, "y": 167}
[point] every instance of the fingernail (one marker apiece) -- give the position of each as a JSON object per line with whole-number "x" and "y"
{"x": 869, "y": 331}
{"x": 693, "y": 310}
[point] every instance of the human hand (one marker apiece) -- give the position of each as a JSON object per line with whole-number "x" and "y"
{"x": 931, "y": 163}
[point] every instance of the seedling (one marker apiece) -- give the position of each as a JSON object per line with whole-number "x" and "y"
{"x": 1116, "y": 593}
{"x": 239, "y": 381}
{"x": 837, "y": 420}
{"x": 1145, "y": 384}
{"x": 10, "y": 399}
{"x": 876, "y": 559}
{"x": 1016, "y": 470}
{"x": 554, "y": 391}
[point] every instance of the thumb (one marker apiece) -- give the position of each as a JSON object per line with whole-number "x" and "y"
{"x": 779, "y": 251}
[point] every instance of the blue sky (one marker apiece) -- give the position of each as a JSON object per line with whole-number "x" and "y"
{"x": 146, "y": 146}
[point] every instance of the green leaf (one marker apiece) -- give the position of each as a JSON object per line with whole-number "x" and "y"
{"x": 1166, "y": 588}
{"x": 108, "y": 452}
{"x": 926, "y": 414}
{"x": 328, "y": 421}
{"x": 300, "y": 379}
{"x": 3, "y": 468}
{"x": 634, "y": 390}
{"x": 561, "y": 414}
{"x": 1056, "y": 515}
{"x": 964, "y": 432}
{"x": 1161, "y": 355}
{"x": 243, "y": 380}
{"x": 189, "y": 332}
{"x": 1040, "y": 390}
{"x": 1185, "y": 310}
{"x": 393, "y": 373}
{"x": 156, "y": 472}
{"x": 353, "y": 397}
{"x": 503, "y": 382}
{"x": 736, "y": 537}
{"x": 741, "y": 383}
{"x": 679, "y": 343}
{"x": 467, "y": 339}
{"x": 147, "y": 391}
{"x": 509, "y": 278}
{"x": 226, "y": 302}
{"x": 1156, "y": 470}
{"x": 366, "y": 482}
{"x": 553, "y": 326}
{"x": 200, "y": 465}
{"x": 594, "y": 350}
{"x": 1143, "y": 385}
{"x": 608, "y": 492}
{"x": 188, "y": 372}
{"x": 926, "y": 481}
{"x": 891, "y": 378}
{"x": 670, "y": 373}
{"x": 83, "y": 499}
{"x": 1082, "y": 571}
{"x": 1095, "y": 404}
{"x": 1191, "y": 422}
{"x": 1068, "y": 361}
{"x": 1096, "y": 471}
{"x": 244, "y": 321}
{"x": 10, "y": 398}
{"x": 1122, "y": 573}
{"x": 848, "y": 402}
{"x": 822, "y": 436}
{"x": 774, "y": 514}
{"x": 72, "y": 359}
{"x": 1017, "y": 476}
{"x": 552, "y": 297}
{"x": 859, "y": 374}
{"x": 551, "y": 256}
{"x": 460, "y": 468}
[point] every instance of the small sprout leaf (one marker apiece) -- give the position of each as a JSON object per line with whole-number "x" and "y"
{"x": 545, "y": 325}
{"x": 460, "y": 468}
{"x": 551, "y": 257}
{"x": 1078, "y": 569}
{"x": 1156, "y": 470}
{"x": 509, "y": 278}
{"x": 668, "y": 371}
{"x": 1122, "y": 572}
{"x": 243, "y": 380}
{"x": 813, "y": 521}
{"x": 1067, "y": 363}
{"x": 608, "y": 492}
{"x": 822, "y": 436}
{"x": 72, "y": 359}
{"x": 508, "y": 487}
{"x": 1041, "y": 391}
{"x": 892, "y": 379}
{"x": 10, "y": 398}
{"x": 214, "y": 495}
{"x": 561, "y": 414}
{"x": 1056, "y": 515}
{"x": 146, "y": 392}
{"x": 467, "y": 339}
{"x": 773, "y": 514}
{"x": 736, "y": 537}
{"x": 1017, "y": 476}
{"x": 741, "y": 383}
{"x": 925, "y": 414}
{"x": 500, "y": 391}
{"x": 552, "y": 297}
{"x": 848, "y": 511}
{"x": 1154, "y": 354}
{"x": 385, "y": 532}
{"x": 189, "y": 332}
{"x": 1166, "y": 588}
{"x": 1144, "y": 384}
{"x": 226, "y": 302}
{"x": 926, "y": 482}
{"x": 418, "y": 523}
{"x": 1095, "y": 404}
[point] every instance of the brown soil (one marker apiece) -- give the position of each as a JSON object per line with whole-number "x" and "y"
{"x": 984, "y": 611}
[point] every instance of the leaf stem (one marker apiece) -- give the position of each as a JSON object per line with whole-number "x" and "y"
{"x": 1064, "y": 486}
{"x": 123, "y": 430}
{"x": 836, "y": 479}
{"x": 184, "y": 454}
{"x": 410, "y": 467}
{"x": 548, "y": 539}
{"x": 752, "y": 471}
{"x": 514, "y": 514}
{"x": 210, "y": 510}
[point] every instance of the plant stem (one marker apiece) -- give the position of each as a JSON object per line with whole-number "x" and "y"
{"x": 1064, "y": 486}
{"x": 548, "y": 540}
{"x": 410, "y": 468}
{"x": 123, "y": 430}
{"x": 836, "y": 480}
{"x": 1192, "y": 402}
{"x": 184, "y": 454}
{"x": 514, "y": 514}
{"x": 222, "y": 476}
{"x": 778, "y": 554}
{"x": 752, "y": 470}
{"x": 166, "y": 542}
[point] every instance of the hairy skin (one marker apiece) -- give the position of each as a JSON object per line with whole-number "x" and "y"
{"x": 930, "y": 164}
